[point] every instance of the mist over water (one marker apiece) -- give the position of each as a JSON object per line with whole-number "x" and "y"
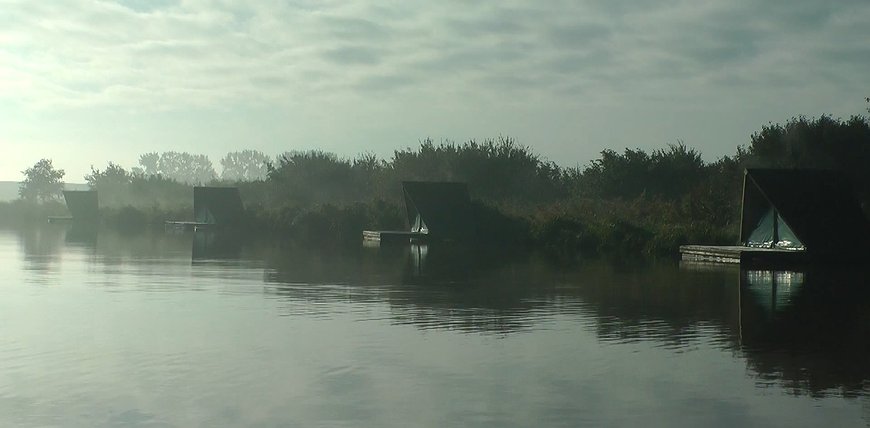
{"x": 102, "y": 329}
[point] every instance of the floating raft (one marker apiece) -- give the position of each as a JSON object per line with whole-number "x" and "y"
{"x": 186, "y": 225}
{"x": 397, "y": 236}
{"x": 741, "y": 254}
{"x": 60, "y": 219}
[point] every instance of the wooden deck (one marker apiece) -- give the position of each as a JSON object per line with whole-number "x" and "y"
{"x": 186, "y": 225}
{"x": 393, "y": 236}
{"x": 60, "y": 219}
{"x": 739, "y": 254}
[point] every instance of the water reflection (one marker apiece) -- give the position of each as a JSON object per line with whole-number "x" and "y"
{"x": 40, "y": 249}
{"x": 216, "y": 245}
{"x": 447, "y": 287}
{"x": 41, "y": 241}
{"x": 772, "y": 290}
{"x": 488, "y": 291}
{"x": 805, "y": 330}
{"x": 808, "y": 330}
{"x": 82, "y": 234}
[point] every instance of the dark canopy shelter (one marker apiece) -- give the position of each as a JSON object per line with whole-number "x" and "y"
{"x": 812, "y": 210}
{"x": 217, "y": 205}
{"x": 83, "y": 205}
{"x": 440, "y": 209}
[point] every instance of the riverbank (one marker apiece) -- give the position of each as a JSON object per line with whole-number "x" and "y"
{"x": 576, "y": 228}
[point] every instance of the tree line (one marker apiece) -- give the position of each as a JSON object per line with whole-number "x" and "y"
{"x": 623, "y": 200}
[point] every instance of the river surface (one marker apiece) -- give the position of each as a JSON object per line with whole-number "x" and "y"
{"x": 100, "y": 329}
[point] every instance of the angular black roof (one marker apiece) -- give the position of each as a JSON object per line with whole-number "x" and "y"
{"x": 818, "y": 205}
{"x": 445, "y": 207}
{"x": 217, "y": 205}
{"x": 83, "y": 205}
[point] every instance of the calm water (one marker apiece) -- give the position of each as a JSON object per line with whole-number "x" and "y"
{"x": 98, "y": 329}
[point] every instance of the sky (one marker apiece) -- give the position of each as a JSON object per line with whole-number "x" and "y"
{"x": 87, "y": 82}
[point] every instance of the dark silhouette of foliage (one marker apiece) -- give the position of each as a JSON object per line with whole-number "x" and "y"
{"x": 498, "y": 170}
{"x": 245, "y": 165}
{"x": 616, "y": 175}
{"x": 113, "y": 183}
{"x": 121, "y": 188}
{"x": 114, "y": 174}
{"x": 179, "y": 166}
{"x": 668, "y": 173}
{"x": 150, "y": 163}
{"x": 313, "y": 177}
{"x": 622, "y": 202}
{"x": 823, "y": 142}
{"x": 42, "y": 182}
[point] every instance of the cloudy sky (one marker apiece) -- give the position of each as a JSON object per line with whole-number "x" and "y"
{"x": 85, "y": 82}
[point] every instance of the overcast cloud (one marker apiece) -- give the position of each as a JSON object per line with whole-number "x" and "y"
{"x": 88, "y": 82}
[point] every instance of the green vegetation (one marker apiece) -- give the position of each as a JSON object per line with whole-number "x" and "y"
{"x": 42, "y": 182}
{"x": 622, "y": 202}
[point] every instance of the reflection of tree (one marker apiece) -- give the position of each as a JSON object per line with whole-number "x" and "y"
{"x": 478, "y": 289}
{"x": 40, "y": 241}
{"x": 216, "y": 245}
{"x": 807, "y": 331}
{"x": 41, "y": 247}
{"x": 815, "y": 340}
{"x": 474, "y": 289}
{"x": 117, "y": 248}
{"x": 657, "y": 303}
{"x": 82, "y": 234}
{"x": 457, "y": 289}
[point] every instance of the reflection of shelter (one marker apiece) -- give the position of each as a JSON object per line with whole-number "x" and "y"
{"x": 216, "y": 245}
{"x": 773, "y": 290}
{"x": 437, "y": 211}
{"x": 808, "y": 330}
{"x": 213, "y": 207}
{"x": 791, "y": 216}
{"x": 82, "y": 233}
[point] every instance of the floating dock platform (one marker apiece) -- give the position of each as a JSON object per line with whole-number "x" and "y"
{"x": 186, "y": 225}
{"x": 393, "y": 236}
{"x": 739, "y": 254}
{"x": 60, "y": 219}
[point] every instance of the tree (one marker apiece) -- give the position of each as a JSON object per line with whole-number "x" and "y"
{"x": 113, "y": 175}
{"x": 498, "y": 170}
{"x": 245, "y": 165}
{"x": 612, "y": 175}
{"x": 149, "y": 162}
{"x": 42, "y": 182}
{"x": 314, "y": 177}
{"x": 179, "y": 166}
{"x": 822, "y": 142}
{"x": 113, "y": 183}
